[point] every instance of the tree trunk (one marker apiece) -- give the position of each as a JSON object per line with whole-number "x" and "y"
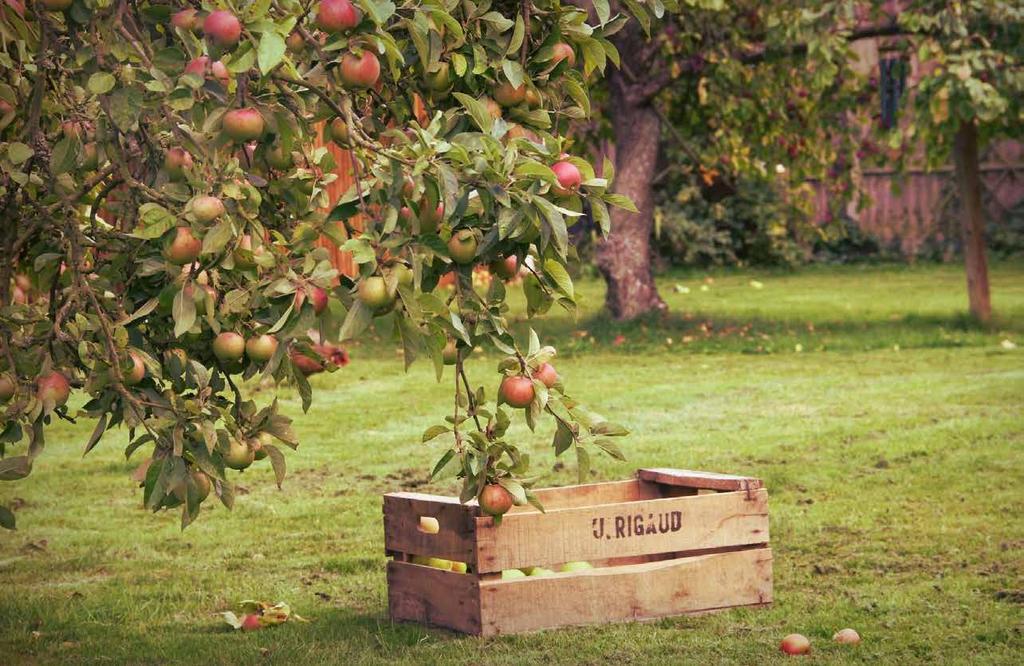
{"x": 624, "y": 258}
{"x": 972, "y": 222}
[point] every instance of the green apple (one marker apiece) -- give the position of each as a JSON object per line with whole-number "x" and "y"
{"x": 538, "y": 571}
{"x": 429, "y": 525}
{"x": 459, "y": 567}
{"x": 510, "y": 574}
{"x": 576, "y": 566}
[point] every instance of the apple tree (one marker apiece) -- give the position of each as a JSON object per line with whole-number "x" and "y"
{"x": 162, "y": 197}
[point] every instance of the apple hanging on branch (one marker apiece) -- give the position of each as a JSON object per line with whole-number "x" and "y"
{"x": 170, "y": 214}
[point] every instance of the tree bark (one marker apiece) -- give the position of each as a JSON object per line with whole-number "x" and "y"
{"x": 972, "y": 222}
{"x": 624, "y": 258}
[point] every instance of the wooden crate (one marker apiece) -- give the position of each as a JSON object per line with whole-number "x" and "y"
{"x": 669, "y": 542}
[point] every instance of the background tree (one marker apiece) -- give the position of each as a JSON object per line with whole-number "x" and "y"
{"x": 732, "y": 90}
{"x": 162, "y": 197}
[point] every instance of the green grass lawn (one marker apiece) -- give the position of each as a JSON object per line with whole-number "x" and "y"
{"x": 889, "y": 431}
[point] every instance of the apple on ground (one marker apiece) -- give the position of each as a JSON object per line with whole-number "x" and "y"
{"x": 795, "y": 644}
{"x": 251, "y": 622}
{"x": 847, "y": 636}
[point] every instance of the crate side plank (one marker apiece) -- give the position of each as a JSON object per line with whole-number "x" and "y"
{"x": 435, "y": 597}
{"x": 622, "y": 529}
{"x": 455, "y": 539}
{"x": 634, "y": 592}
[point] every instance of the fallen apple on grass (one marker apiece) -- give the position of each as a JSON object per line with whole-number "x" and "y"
{"x": 795, "y": 644}
{"x": 847, "y": 636}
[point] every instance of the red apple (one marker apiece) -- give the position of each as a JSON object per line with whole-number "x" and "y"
{"x": 222, "y": 28}
{"x": 295, "y": 43}
{"x": 339, "y": 132}
{"x": 506, "y": 268}
{"x": 430, "y": 217}
{"x": 176, "y": 162}
{"x": 360, "y": 71}
{"x": 250, "y": 622}
{"x": 847, "y": 636}
{"x": 306, "y": 365}
{"x": 562, "y": 51}
{"x": 261, "y": 348}
{"x": 546, "y": 374}
{"x": 138, "y": 371}
{"x": 795, "y": 644}
{"x": 201, "y": 65}
{"x": 53, "y": 387}
{"x": 317, "y": 297}
{"x": 517, "y": 391}
{"x": 462, "y": 246}
{"x": 229, "y": 346}
{"x": 337, "y": 15}
{"x": 508, "y": 95}
{"x": 184, "y": 248}
{"x": 206, "y": 208}
{"x": 243, "y": 125}
{"x": 568, "y": 175}
{"x": 495, "y": 500}
{"x": 186, "y": 19}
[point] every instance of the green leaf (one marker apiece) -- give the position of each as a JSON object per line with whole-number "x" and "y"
{"x": 434, "y": 431}
{"x": 442, "y": 463}
{"x": 184, "y": 313}
{"x": 277, "y": 462}
{"x": 378, "y": 10}
{"x": 7, "y": 520}
{"x": 62, "y": 158}
{"x": 156, "y": 221}
{"x": 557, "y": 273}
{"x": 97, "y": 433}
{"x": 582, "y": 464}
{"x": 515, "y": 489}
{"x": 609, "y": 429}
{"x": 610, "y": 447}
{"x": 271, "y": 51}
{"x": 477, "y": 111}
{"x": 356, "y": 321}
{"x": 513, "y": 72}
{"x": 18, "y": 152}
{"x": 216, "y": 239}
{"x": 101, "y": 83}
{"x": 621, "y": 201}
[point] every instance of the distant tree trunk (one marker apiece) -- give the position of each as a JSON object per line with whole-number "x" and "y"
{"x": 972, "y": 222}
{"x": 624, "y": 258}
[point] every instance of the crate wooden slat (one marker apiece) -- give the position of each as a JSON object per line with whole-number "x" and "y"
{"x": 665, "y": 543}
{"x": 622, "y": 529}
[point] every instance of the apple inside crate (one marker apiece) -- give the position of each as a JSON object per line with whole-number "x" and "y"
{"x": 668, "y": 542}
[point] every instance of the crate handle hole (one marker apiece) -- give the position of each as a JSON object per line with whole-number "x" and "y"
{"x": 428, "y": 525}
